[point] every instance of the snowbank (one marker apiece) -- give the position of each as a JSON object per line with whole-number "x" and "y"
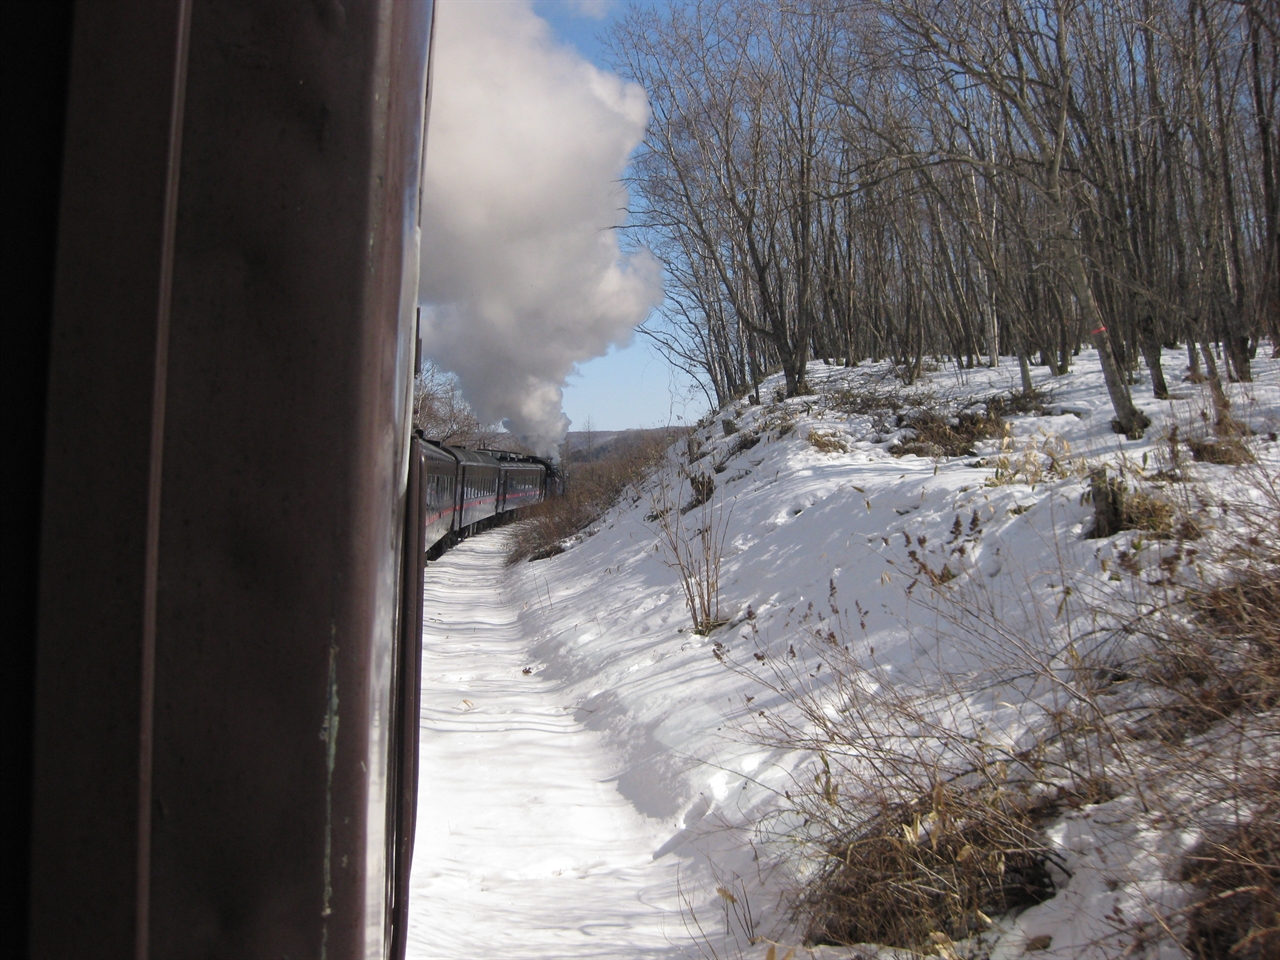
{"x": 936, "y": 573}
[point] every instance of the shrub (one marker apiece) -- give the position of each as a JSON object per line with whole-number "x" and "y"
{"x": 917, "y": 829}
{"x": 694, "y": 548}
{"x": 866, "y": 400}
{"x": 941, "y": 436}
{"x": 944, "y": 864}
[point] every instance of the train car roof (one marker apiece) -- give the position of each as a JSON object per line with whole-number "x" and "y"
{"x": 473, "y": 457}
{"x": 434, "y": 452}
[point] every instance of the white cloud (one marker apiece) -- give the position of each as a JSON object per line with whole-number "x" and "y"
{"x": 522, "y": 276}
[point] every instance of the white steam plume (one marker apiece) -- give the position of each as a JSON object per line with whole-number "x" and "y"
{"x": 522, "y": 275}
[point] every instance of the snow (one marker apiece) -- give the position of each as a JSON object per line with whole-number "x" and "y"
{"x": 590, "y": 782}
{"x": 521, "y": 832}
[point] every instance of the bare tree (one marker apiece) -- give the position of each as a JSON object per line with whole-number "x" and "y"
{"x": 441, "y": 412}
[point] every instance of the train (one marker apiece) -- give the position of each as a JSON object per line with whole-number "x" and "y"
{"x": 465, "y": 491}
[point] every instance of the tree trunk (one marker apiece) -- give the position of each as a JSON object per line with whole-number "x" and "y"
{"x": 1108, "y": 504}
{"x": 993, "y": 331}
{"x": 1223, "y": 423}
{"x": 1150, "y": 346}
{"x": 1129, "y": 420}
{"x": 1024, "y": 367}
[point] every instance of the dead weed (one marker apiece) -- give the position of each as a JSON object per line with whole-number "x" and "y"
{"x": 1237, "y": 870}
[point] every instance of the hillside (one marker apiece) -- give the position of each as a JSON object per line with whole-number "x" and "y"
{"x": 925, "y": 668}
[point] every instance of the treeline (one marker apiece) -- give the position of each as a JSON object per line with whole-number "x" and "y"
{"x": 849, "y": 179}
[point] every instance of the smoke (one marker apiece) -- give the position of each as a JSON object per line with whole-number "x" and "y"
{"x": 522, "y": 275}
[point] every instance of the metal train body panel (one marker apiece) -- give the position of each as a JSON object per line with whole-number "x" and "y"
{"x": 439, "y": 493}
{"x": 226, "y": 764}
{"x": 553, "y": 481}
{"x": 522, "y": 485}
{"x": 476, "y": 498}
{"x": 233, "y": 294}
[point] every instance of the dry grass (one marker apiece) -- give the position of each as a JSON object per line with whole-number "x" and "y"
{"x": 1117, "y": 508}
{"x": 1224, "y": 441}
{"x": 1219, "y": 669}
{"x": 777, "y": 421}
{"x": 945, "y": 864}
{"x": 745, "y": 441}
{"x": 867, "y": 400}
{"x": 1238, "y": 870}
{"x": 702, "y": 487}
{"x": 919, "y": 829}
{"x": 693, "y": 547}
{"x": 1215, "y": 650}
{"x": 1225, "y": 451}
{"x": 1213, "y": 661}
{"x": 1153, "y": 514}
{"x": 828, "y": 441}
{"x": 1040, "y": 459}
{"x": 938, "y": 435}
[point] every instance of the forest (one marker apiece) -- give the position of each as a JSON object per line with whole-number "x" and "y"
{"x": 918, "y": 179}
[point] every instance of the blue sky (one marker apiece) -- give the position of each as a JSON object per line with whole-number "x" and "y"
{"x": 634, "y": 386}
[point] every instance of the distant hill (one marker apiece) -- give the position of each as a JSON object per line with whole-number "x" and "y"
{"x": 587, "y": 446}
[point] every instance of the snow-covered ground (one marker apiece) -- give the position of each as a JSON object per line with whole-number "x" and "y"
{"x": 525, "y": 848}
{"x": 589, "y": 784}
